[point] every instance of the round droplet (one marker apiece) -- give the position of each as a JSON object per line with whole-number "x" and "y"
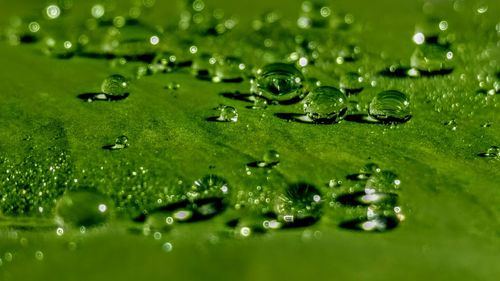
{"x": 83, "y": 208}
{"x": 227, "y": 114}
{"x": 432, "y": 59}
{"x": 279, "y": 82}
{"x": 115, "y": 86}
{"x": 209, "y": 186}
{"x": 377, "y": 224}
{"x": 352, "y": 82}
{"x": 121, "y": 142}
{"x": 361, "y": 198}
{"x": 492, "y": 152}
{"x": 391, "y": 107}
{"x": 326, "y": 105}
{"x": 229, "y": 69}
{"x": 385, "y": 181}
{"x": 300, "y": 205}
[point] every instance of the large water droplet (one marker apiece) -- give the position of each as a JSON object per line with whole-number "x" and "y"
{"x": 390, "y": 107}
{"x": 279, "y": 82}
{"x": 83, "y": 208}
{"x": 325, "y": 105}
{"x": 115, "y": 86}
{"x": 300, "y": 205}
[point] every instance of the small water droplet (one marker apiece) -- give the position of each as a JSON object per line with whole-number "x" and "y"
{"x": 432, "y": 59}
{"x": 121, "y": 142}
{"x": 279, "y": 82}
{"x": 167, "y": 247}
{"x": 326, "y": 105}
{"x": 83, "y": 208}
{"x": 385, "y": 181}
{"x": 52, "y": 11}
{"x": 390, "y": 107}
{"x": 300, "y": 205}
{"x": 491, "y": 152}
{"x": 361, "y": 198}
{"x": 209, "y": 185}
{"x": 377, "y": 224}
{"x": 351, "y": 83}
{"x": 115, "y": 86}
{"x": 39, "y": 255}
{"x": 227, "y": 114}
{"x": 229, "y": 69}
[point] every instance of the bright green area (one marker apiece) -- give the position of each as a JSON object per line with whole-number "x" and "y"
{"x": 449, "y": 195}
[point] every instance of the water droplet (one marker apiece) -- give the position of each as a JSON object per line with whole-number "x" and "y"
{"x": 390, "y": 107}
{"x": 326, "y": 105}
{"x": 121, "y": 142}
{"x": 384, "y": 181}
{"x": 279, "y": 82}
{"x": 209, "y": 186}
{"x": 52, "y": 12}
{"x": 227, "y": 114}
{"x": 115, "y": 86}
{"x": 492, "y": 152}
{"x": 362, "y": 198}
{"x": 83, "y": 208}
{"x": 39, "y": 255}
{"x": 167, "y": 247}
{"x": 432, "y": 59}
{"x": 365, "y": 172}
{"x": 351, "y": 83}
{"x": 378, "y": 224}
{"x": 300, "y": 205}
{"x": 229, "y": 69}
{"x": 97, "y": 11}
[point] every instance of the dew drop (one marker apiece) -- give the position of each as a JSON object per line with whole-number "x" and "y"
{"x": 229, "y": 69}
{"x": 53, "y": 11}
{"x": 300, "y": 205}
{"x": 121, "y": 142}
{"x": 351, "y": 83}
{"x": 377, "y": 224}
{"x": 83, "y": 208}
{"x": 432, "y": 59}
{"x": 279, "y": 82}
{"x": 209, "y": 185}
{"x": 385, "y": 181}
{"x": 115, "y": 86}
{"x": 326, "y": 105}
{"x": 39, "y": 255}
{"x": 227, "y": 114}
{"x": 491, "y": 152}
{"x": 390, "y": 107}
